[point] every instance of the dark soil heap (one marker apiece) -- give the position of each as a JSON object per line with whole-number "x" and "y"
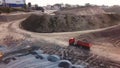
{"x": 68, "y": 22}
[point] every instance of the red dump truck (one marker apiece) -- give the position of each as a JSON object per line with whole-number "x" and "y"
{"x": 83, "y": 44}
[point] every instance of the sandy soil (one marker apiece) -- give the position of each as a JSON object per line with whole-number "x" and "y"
{"x": 12, "y": 28}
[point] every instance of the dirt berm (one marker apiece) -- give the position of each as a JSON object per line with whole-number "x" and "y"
{"x": 68, "y": 22}
{"x": 12, "y": 17}
{"x": 84, "y": 10}
{"x": 108, "y": 37}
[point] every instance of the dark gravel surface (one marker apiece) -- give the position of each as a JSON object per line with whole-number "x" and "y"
{"x": 78, "y": 56}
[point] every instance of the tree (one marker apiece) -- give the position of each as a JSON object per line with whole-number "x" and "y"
{"x": 67, "y": 5}
{"x": 29, "y": 4}
{"x": 59, "y": 5}
{"x": 36, "y": 6}
{"x": 88, "y": 5}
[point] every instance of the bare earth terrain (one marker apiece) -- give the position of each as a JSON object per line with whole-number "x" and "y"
{"x": 12, "y": 29}
{"x": 105, "y": 52}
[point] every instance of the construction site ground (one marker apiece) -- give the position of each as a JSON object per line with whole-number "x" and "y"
{"x": 12, "y": 29}
{"x": 105, "y": 51}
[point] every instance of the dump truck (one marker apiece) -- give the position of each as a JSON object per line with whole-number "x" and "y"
{"x": 79, "y": 43}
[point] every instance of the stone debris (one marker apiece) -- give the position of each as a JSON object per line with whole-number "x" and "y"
{"x": 35, "y": 59}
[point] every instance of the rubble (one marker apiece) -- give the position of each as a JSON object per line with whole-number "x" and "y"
{"x": 35, "y": 59}
{"x": 78, "y": 56}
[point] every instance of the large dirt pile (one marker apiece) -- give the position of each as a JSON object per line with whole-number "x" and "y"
{"x": 68, "y": 22}
{"x": 93, "y": 10}
{"x": 115, "y": 9}
{"x": 109, "y": 36}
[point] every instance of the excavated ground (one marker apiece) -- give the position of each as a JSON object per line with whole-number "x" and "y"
{"x": 106, "y": 41}
{"x": 74, "y": 54}
{"x": 94, "y": 58}
{"x": 57, "y": 43}
{"x": 102, "y": 54}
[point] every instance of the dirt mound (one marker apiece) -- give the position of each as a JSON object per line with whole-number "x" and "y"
{"x": 112, "y": 35}
{"x": 108, "y": 37}
{"x": 115, "y": 9}
{"x": 67, "y": 22}
{"x": 82, "y": 11}
{"x": 12, "y": 17}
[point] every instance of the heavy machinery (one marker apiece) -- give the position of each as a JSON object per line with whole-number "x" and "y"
{"x": 78, "y": 43}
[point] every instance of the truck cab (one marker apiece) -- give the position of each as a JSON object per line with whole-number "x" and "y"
{"x": 79, "y": 43}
